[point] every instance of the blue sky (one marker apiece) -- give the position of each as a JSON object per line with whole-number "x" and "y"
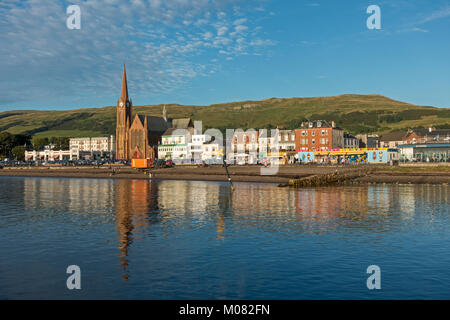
{"x": 211, "y": 51}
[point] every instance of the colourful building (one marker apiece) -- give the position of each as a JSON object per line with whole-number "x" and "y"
{"x": 349, "y": 156}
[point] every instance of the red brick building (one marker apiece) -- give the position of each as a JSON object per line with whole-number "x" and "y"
{"x": 319, "y": 135}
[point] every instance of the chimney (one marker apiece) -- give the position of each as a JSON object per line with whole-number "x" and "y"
{"x": 333, "y": 124}
{"x": 164, "y": 113}
{"x": 430, "y": 129}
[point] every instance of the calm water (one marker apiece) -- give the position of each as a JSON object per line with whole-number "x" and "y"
{"x": 136, "y": 239}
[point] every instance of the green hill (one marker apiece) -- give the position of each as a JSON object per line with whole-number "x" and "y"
{"x": 354, "y": 113}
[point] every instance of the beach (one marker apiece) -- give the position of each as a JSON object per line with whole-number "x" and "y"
{"x": 377, "y": 174}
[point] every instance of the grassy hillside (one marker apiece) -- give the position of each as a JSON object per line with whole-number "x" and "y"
{"x": 354, "y": 113}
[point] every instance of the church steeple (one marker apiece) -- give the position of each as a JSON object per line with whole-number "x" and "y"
{"x": 123, "y": 120}
{"x": 124, "y": 92}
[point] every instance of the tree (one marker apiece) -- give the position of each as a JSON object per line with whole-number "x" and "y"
{"x": 60, "y": 143}
{"x": 39, "y": 143}
{"x": 18, "y": 152}
{"x": 6, "y": 143}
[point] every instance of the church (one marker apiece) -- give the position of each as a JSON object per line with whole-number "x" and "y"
{"x": 138, "y": 137}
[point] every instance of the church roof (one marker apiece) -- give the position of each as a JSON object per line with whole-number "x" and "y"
{"x": 159, "y": 125}
{"x": 182, "y": 123}
{"x": 171, "y": 131}
{"x": 154, "y": 124}
{"x": 124, "y": 92}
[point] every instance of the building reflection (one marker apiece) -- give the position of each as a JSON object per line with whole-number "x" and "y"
{"x": 83, "y": 196}
{"x": 140, "y": 207}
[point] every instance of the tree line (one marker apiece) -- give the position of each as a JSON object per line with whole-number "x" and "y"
{"x": 13, "y": 146}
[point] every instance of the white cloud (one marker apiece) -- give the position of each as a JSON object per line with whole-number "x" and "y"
{"x": 222, "y": 31}
{"x": 435, "y": 15}
{"x": 240, "y": 21}
{"x": 160, "y": 41}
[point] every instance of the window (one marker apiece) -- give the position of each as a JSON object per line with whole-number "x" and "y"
{"x": 313, "y": 141}
{"x": 313, "y": 133}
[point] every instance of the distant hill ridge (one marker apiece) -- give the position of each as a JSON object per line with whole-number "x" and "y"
{"x": 354, "y": 113}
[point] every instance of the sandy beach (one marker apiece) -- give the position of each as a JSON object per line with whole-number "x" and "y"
{"x": 379, "y": 174}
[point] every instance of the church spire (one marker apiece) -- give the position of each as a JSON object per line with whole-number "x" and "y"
{"x": 124, "y": 92}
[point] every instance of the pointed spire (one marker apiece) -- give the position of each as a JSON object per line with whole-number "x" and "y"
{"x": 124, "y": 92}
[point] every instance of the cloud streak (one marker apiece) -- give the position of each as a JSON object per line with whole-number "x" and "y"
{"x": 164, "y": 44}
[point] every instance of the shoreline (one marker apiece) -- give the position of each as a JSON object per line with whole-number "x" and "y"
{"x": 381, "y": 174}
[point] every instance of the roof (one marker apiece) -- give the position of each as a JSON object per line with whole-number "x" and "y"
{"x": 434, "y": 132}
{"x": 182, "y": 123}
{"x": 393, "y": 136}
{"x": 425, "y": 145}
{"x": 154, "y": 124}
{"x": 182, "y": 131}
{"x": 318, "y": 124}
{"x": 124, "y": 90}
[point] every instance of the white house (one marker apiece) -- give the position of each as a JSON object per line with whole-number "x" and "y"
{"x": 212, "y": 152}
{"x": 174, "y": 144}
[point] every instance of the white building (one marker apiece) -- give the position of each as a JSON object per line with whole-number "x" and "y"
{"x": 49, "y": 154}
{"x": 100, "y": 144}
{"x": 212, "y": 152}
{"x": 93, "y": 148}
{"x": 174, "y": 144}
{"x": 195, "y": 147}
{"x": 244, "y": 147}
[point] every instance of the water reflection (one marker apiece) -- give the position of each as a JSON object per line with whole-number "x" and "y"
{"x": 136, "y": 207}
{"x": 140, "y": 208}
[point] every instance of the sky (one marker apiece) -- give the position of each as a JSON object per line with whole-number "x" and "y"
{"x": 201, "y": 52}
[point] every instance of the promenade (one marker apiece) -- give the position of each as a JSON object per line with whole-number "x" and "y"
{"x": 379, "y": 173}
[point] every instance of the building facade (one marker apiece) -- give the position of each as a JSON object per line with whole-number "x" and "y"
{"x": 286, "y": 140}
{"x": 99, "y": 144}
{"x": 212, "y": 152}
{"x": 244, "y": 147}
{"x": 429, "y": 135}
{"x": 368, "y": 140}
{"x": 123, "y": 121}
{"x": 174, "y": 143}
{"x": 429, "y": 152}
{"x": 138, "y": 137}
{"x": 392, "y": 139}
{"x": 350, "y": 141}
{"x": 319, "y": 135}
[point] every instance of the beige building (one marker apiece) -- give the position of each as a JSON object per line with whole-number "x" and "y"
{"x": 392, "y": 139}
{"x": 100, "y": 144}
{"x": 286, "y": 140}
{"x": 244, "y": 147}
